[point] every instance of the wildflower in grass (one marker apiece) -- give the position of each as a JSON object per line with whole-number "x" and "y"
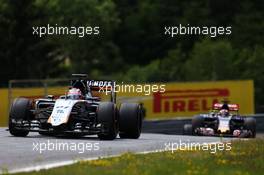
{"x": 221, "y": 161}
{"x": 100, "y": 162}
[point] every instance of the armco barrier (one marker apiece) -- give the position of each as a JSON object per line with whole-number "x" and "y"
{"x": 175, "y": 126}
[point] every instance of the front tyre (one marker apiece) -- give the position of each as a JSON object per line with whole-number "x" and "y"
{"x": 107, "y": 118}
{"x": 44, "y": 133}
{"x": 250, "y": 125}
{"x": 20, "y": 111}
{"x": 130, "y": 120}
{"x": 187, "y": 129}
{"x": 197, "y": 122}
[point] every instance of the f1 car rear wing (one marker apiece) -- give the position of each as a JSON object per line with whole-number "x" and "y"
{"x": 230, "y": 107}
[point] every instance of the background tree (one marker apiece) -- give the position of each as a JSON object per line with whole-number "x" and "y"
{"x": 92, "y": 53}
{"x": 22, "y": 54}
{"x": 132, "y": 45}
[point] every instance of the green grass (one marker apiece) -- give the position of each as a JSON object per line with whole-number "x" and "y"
{"x": 246, "y": 157}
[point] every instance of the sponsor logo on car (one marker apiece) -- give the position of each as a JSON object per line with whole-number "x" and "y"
{"x": 99, "y": 83}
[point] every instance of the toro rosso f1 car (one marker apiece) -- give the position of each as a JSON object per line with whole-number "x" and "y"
{"x": 223, "y": 120}
{"x": 77, "y": 113}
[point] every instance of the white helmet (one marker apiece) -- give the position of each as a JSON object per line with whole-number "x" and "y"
{"x": 75, "y": 94}
{"x": 224, "y": 112}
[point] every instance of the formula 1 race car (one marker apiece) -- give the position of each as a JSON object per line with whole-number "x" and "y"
{"x": 77, "y": 113}
{"x": 223, "y": 120}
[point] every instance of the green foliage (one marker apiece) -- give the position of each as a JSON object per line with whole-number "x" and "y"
{"x": 148, "y": 73}
{"x": 250, "y": 66}
{"x": 22, "y": 54}
{"x": 166, "y": 69}
{"x": 132, "y": 45}
{"x": 89, "y": 53}
{"x": 172, "y": 66}
{"x": 248, "y": 24}
{"x": 210, "y": 61}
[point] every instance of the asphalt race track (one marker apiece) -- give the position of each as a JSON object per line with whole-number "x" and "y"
{"x": 21, "y": 154}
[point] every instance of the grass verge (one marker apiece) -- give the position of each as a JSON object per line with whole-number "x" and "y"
{"x": 246, "y": 157}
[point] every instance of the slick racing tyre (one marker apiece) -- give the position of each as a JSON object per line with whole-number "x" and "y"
{"x": 20, "y": 111}
{"x": 187, "y": 129}
{"x": 107, "y": 117}
{"x": 197, "y": 122}
{"x": 250, "y": 125}
{"x": 130, "y": 120}
{"x": 44, "y": 133}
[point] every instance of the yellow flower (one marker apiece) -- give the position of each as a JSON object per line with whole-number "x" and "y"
{"x": 100, "y": 162}
{"x": 221, "y": 161}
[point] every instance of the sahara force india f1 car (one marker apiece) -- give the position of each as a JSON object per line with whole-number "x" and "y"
{"x": 223, "y": 120}
{"x": 77, "y": 113}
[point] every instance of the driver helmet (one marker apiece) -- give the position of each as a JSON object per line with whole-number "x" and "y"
{"x": 224, "y": 112}
{"x": 75, "y": 94}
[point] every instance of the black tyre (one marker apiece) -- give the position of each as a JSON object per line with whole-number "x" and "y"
{"x": 197, "y": 122}
{"x": 20, "y": 111}
{"x": 187, "y": 129}
{"x": 44, "y": 133}
{"x": 130, "y": 121}
{"x": 250, "y": 124}
{"x": 106, "y": 115}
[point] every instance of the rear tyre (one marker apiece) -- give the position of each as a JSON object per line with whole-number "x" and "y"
{"x": 20, "y": 111}
{"x": 187, "y": 129}
{"x": 107, "y": 117}
{"x": 250, "y": 125}
{"x": 130, "y": 121}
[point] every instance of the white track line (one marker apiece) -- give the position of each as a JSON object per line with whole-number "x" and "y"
{"x": 70, "y": 162}
{"x": 67, "y": 162}
{"x": 56, "y": 164}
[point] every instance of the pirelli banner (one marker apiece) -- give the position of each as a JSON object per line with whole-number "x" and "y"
{"x": 160, "y": 101}
{"x": 188, "y": 99}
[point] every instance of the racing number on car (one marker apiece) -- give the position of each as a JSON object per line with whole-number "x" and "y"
{"x": 60, "y": 111}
